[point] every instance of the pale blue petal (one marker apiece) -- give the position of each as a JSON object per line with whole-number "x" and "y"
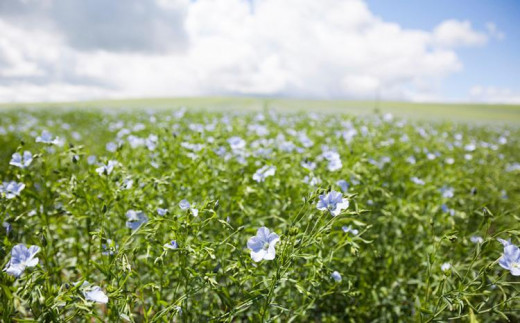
{"x": 255, "y": 244}
{"x": 258, "y": 255}
{"x": 263, "y": 234}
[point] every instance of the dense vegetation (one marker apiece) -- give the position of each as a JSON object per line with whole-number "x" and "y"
{"x": 149, "y": 216}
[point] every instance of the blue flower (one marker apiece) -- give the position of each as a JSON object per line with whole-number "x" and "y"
{"x": 135, "y": 219}
{"x": 7, "y": 226}
{"x": 111, "y": 147}
{"x": 262, "y": 245}
{"x": 417, "y": 180}
{"x": 447, "y": 192}
{"x": 348, "y": 229}
{"x": 11, "y": 189}
{"x": 46, "y": 138}
{"x": 21, "y": 258}
{"x": 185, "y": 205}
{"x": 151, "y": 142}
{"x": 94, "y": 293}
{"x": 343, "y": 184}
{"x": 445, "y": 266}
{"x": 264, "y": 172}
{"x": 446, "y": 209}
{"x": 236, "y": 143}
{"x": 108, "y": 168}
{"x": 333, "y": 202}
{"x": 21, "y": 161}
{"x": 312, "y": 181}
{"x": 336, "y": 276}
{"x": 334, "y": 160}
{"x": 476, "y": 239}
{"x": 307, "y": 164}
{"x": 161, "y": 211}
{"x": 109, "y": 248}
{"x": 510, "y": 260}
{"x": 91, "y": 159}
{"x": 172, "y": 245}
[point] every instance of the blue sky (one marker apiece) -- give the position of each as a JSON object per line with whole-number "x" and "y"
{"x": 68, "y": 50}
{"x": 497, "y": 64}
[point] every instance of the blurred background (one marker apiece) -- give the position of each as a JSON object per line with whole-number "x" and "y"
{"x": 364, "y": 50}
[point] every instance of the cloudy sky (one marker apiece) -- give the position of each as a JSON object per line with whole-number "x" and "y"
{"x": 430, "y": 50}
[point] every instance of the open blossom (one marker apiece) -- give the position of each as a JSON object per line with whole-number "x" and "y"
{"x": 263, "y": 173}
{"x": 476, "y": 239}
{"x": 312, "y": 181}
{"x": 151, "y": 142}
{"x": 127, "y": 184}
{"x": 185, "y": 205}
{"x": 343, "y": 184}
{"x": 417, "y": 181}
{"x": 513, "y": 167}
{"x": 236, "y": 143}
{"x": 21, "y": 258}
{"x": 108, "y": 168}
{"x": 91, "y": 159}
{"x": 171, "y": 245}
{"x": 21, "y": 161}
{"x": 445, "y": 266}
{"x": 111, "y": 147}
{"x": 333, "y": 202}
{"x": 262, "y": 245}
{"x": 510, "y": 259}
{"x": 446, "y": 209}
{"x": 94, "y": 293}
{"x": 135, "y": 219}
{"x": 334, "y": 160}
{"x": 46, "y": 138}
{"x": 336, "y": 276}
{"x": 349, "y": 228}
{"x": 447, "y": 192}
{"x": 307, "y": 164}
{"x": 11, "y": 189}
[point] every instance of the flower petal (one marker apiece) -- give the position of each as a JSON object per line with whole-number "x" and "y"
{"x": 33, "y": 262}
{"x": 504, "y": 263}
{"x": 273, "y": 238}
{"x": 255, "y": 244}
{"x": 259, "y": 255}
{"x": 263, "y": 233}
{"x": 34, "y": 250}
{"x": 271, "y": 253}
{"x": 15, "y": 270}
{"x": 96, "y": 295}
{"x": 515, "y": 271}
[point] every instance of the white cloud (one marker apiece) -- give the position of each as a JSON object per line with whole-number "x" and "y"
{"x": 494, "y": 32}
{"x": 23, "y": 53}
{"x": 453, "y": 33}
{"x": 301, "y": 48}
{"x": 493, "y": 94}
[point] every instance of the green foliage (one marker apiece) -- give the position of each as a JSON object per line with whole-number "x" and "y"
{"x": 391, "y": 270}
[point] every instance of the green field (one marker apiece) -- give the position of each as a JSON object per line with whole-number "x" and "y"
{"x": 479, "y": 113}
{"x": 142, "y": 211}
